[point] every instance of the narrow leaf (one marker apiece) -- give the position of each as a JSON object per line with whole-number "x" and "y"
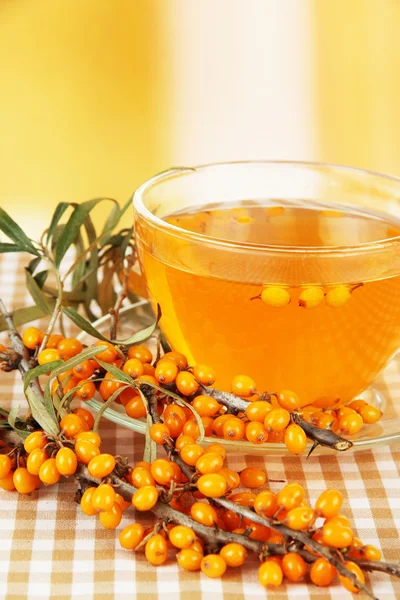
{"x": 58, "y": 213}
{"x": 93, "y": 262}
{"x": 83, "y": 323}
{"x": 41, "y": 277}
{"x": 117, "y": 373}
{"x": 106, "y": 405}
{"x": 142, "y": 335}
{"x": 6, "y": 247}
{"x": 22, "y": 316}
{"x": 40, "y": 370}
{"x": 15, "y": 233}
{"x": 76, "y": 360}
{"x": 36, "y": 293}
{"x": 34, "y": 263}
{"x": 40, "y": 414}
{"x": 12, "y": 417}
{"x": 48, "y": 402}
{"x": 111, "y": 222}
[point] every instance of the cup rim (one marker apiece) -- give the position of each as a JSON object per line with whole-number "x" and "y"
{"x": 145, "y": 213}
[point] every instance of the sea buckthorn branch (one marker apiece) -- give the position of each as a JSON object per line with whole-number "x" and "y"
{"x": 233, "y": 403}
{"x": 321, "y": 437}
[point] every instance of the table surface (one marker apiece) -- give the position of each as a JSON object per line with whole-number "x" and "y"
{"x": 49, "y": 549}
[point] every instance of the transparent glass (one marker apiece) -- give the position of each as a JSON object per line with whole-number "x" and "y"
{"x": 209, "y": 287}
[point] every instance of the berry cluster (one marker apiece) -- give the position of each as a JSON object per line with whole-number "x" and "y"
{"x": 309, "y": 297}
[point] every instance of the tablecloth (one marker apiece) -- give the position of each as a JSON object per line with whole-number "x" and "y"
{"x": 50, "y": 550}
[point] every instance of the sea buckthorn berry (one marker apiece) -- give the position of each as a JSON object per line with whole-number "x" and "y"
{"x": 85, "y": 415}
{"x": 69, "y": 347}
{"x": 234, "y": 429}
{"x": 338, "y": 296}
{"x": 266, "y": 504}
{"x": 37, "y": 439}
{"x": 7, "y": 482}
{"x": 326, "y": 421}
{"x": 191, "y": 453}
{"x": 53, "y": 340}
{"x": 186, "y": 383}
{"x": 148, "y": 369}
{"x": 243, "y": 386}
{"x": 209, "y": 462}
{"x": 178, "y": 358}
{"x": 109, "y": 354}
{"x": 341, "y": 519}
{"x": 291, "y": 496}
{"x": 84, "y": 370}
{"x": 162, "y": 471}
{"x": 293, "y": 567}
{"x": 232, "y": 478}
{"x": 370, "y": 414}
{"x": 89, "y": 436}
{"x": 277, "y": 420}
{"x": 135, "y": 407}
{"x": 233, "y": 554}
{"x": 243, "y": 498}
{"x": 289, "y": 400}
{"x": 25, "y": 482}
{"x": 203, "y": 513}
{"x": 166, "y": 371}
{"x": 86, "y": 390}
{"x": 213, "y": 565}
{"x": 346, "y": 582}
{"x": 86, "y": 502}
{"x": 300, "y": 518}
{"x": 48, "y": 472}
{"x": 189, "y": 559}
{"x": 336, "y": 535}
{"x": 371, "y": 552}
{"x": 351, "y": 424}
{"x": 156, "y": 550}
{"x": 295, "y": 439}
{"x": 85, "y": 450}
{"x": 174, "y": 425}
{"x": 141, "y": 353}
{"x": 258, "y": 410}
{"x": 270, "y": 574}
{"x": 256, "y": 433}
{"x": 66, "y": 461}
{"x": 275, "y": 296}
{"x": 131, "y": 536}
{"x": 124, "y": 504}
{"x": 311, "y": 297}
{"x": 261, "y": 533}
{"x": 141, "y": 477}
{"x": 183, "y": 440}
{"x": 219, "y": 423}
{"x": 104, "y": 497}
{"x": 218, "y": 448}
{"x": 149, "y": 379}
{"x": 357, "y": 405}
{"x": 134, "y": 368}
{"x": 204, "y": 374}
{"x": 276, "y": 437}
{"x": 5, "y": 465}
{"x": 181, "y": 536}
{"x": 212, "y": 485}
{"x": 71, "y": 425}
{"x": 329, "y": 503}
{"x": 102, "y": 465}
{"x": 159, "y": 433}
{"x": 176, "y": 411}
{"x": 232, "y": 521}
{"x": 206, "y": 406}
{"x": 253, "y": 477}
{"x": 48, "y": 356}
{"x": 110, "y": 519}
{"x": 109, "y": 386}
{"x": 322, "y": 573}
{"x": 32, "y": 337}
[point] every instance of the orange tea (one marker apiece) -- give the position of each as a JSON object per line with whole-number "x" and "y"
{"x": 322, "y": 339}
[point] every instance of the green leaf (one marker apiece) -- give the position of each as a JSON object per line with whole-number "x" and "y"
{"x": 93, "y": 262}
{"x": 116, "y": 372}
{"x": 41, "y": 277}
{"x": 22, "y": 316}
{"x": 48, "y": 402}
{"x": 111, "y": 222}
{"x": 106, "y": 405}
{"x": 33, "y": 264}
{"x": 6, "y": 247}
{"x": 83, "y": 323}
{"x": 15, "y": 233}
{"x": 36, "y": 293}
{"x": 58, "y": 213}
{"x": 143, "y": 335}
{"x": 73, "y": 225}
{"x": 40, "y": 414}
{"x": 76, "y": 360}
{"x": 12, "y": 417}
{"x": 40, "y": 370}
{"x": 79, "y": 268}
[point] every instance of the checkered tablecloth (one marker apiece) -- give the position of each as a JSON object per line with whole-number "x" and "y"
{"x": 50, "y": 550}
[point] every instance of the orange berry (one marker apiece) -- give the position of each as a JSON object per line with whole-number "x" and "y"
{"x": 174, "y": 426}
{"x": 134, "y": 368}
{"x": 108, "y": 355}
{"x": 109, "y": 386}
{"x": 178, "y": 358}
{"x": 86, "y": 502}
{"x": 289, "y": 400}
{"x": 233, "y": 554}
{"x": 159, "y": 433}
{"x": 357, "y": 405}
{"x": 84, "y": 370}
{"x": 290, "y": 496}
{"x": 276, "y": 437}
{"x": 85, "y": 450}
{"x": 71, "y": 424}
{"x": 218, "y": 424}
{"x": 232, "y": 478}
{"x": 37, "y": 439}
{"x": 135, "y": 407}
{"x": 322, "y": 573}
{"x": 277, "y": 420}
{"x": 336, "y": 535}
{"x": 212, "y": 485}
{"x": 259, "y": 532}
{"x": 341, "y": 519}
{"x": 231, "y": 520}
{"x": 346, "y": 582}
{"x": 276, "y": 538}
{"x": 86, "y": 416}
{"x": 256, "y": 433}
{"x": 103, "y": 497}
{"x": 191, "y": 453}
{"x": 233, "y": 429}
{"x": 24, "y": 482}
{"x": 270, "y": 574}
{"x": 293, "y": 567}
{"x": 243, "y": 386}
{"x": 48, "y": 356}
{"x": 181, "y": 536}
{"x": 66, "y": 461}
{"x": 266, "y": 504}
{"x": 5, "y": 465}
{"x": 48, "y": 472}
{"x": 370, "y": 414}
{"x": 7, "y": 482}
{"x": 183, "y": 440}
{"x": 204, "y": 374}
{"x": 300, "y": 518}
{"x": 258, "y": 410}
{"x": 351, "y": 424}
{"x": 124, "y": 504}
{"x": 86, "y": 390}
{"x": 166, "y": 371}
{"x": 110, "y": 519}
{"x": 69, "y": 347}
{"x": 206, "y": 406}
{"x": 252, "y": 477}
{"x": 203, "y": 513}
{"x": 162, "y": 471}
{"x": 189, "y": 559}
{"x": 243, "y": 498}
{"x": 218, "y": 448}
{"x": 141, "y": 477}
{"x": 329, "y": 503}
{"x": 213, "y": 565}
{"x": 142, "y": 353}
{"x": 53, "y": 340}
{"x": 156, "y": 550}
{"x": 102, "y": 465}
{"x": 175, "y": 411}
{"x": 186, "y": 383}
{"x": 209, "y": 462}
{"x": 295, "y": 439}
{"x": 131, "y": 536}
{"x": 32, "y": 337}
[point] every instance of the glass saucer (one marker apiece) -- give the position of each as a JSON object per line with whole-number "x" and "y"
{"x": 384, "y": 393}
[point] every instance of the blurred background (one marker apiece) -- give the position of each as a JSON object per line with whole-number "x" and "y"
{"x": 99, "y": 95}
